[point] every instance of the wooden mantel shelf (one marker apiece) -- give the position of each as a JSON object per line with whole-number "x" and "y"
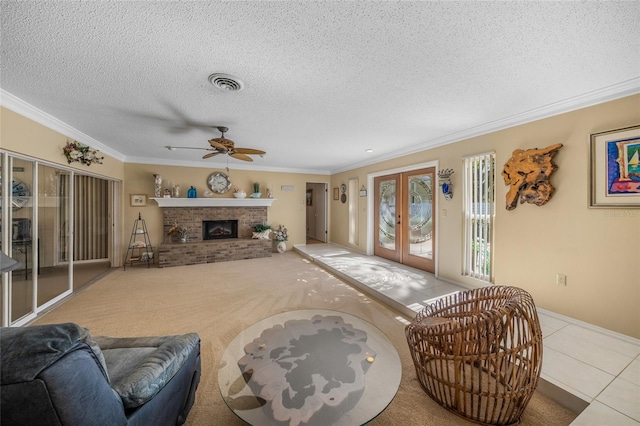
{"x": 214, "y": 202}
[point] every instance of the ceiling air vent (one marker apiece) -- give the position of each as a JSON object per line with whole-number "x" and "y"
{"x": 225, "y": 82}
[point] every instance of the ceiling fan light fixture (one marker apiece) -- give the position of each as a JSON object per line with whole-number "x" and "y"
{"x": 226, "y": 82}
{"x": 224, "y": 146}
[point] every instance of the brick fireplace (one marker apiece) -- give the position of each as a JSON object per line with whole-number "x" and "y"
{"x": 198, "y": 250}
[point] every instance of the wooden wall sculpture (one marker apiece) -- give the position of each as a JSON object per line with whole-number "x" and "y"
{"x": 527, "y": 173}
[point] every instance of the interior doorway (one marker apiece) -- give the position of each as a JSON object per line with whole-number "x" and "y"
{"x": 404, "y": 219}
{"x": 316, "y": 207}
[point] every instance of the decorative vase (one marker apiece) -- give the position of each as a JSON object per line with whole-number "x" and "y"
{"x": 176, "y": 191}
{"x": 157, "y": 191}
{"x": 191, "y": 193}
{"x": 256, "y": 195}
{"x": 182, "y": 240}
{"x": 281, "y": 247}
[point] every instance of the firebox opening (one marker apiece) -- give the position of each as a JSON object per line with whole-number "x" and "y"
{"x": 219, "y": 229}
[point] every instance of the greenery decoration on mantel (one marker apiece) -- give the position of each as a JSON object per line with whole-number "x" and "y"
{"x": 75, "y": 151}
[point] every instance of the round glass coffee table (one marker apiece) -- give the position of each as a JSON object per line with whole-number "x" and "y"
{"x": 309, "y": 367}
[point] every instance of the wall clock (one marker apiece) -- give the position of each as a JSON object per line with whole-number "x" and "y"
{"x": 20, "y": 194}
{"x": 219, "y": 182}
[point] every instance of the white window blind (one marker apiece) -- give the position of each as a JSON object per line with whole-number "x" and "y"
{"x": 479, "y": 214}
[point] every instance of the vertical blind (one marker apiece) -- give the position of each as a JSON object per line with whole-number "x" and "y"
{"x": 91, "y": 219}
{"x": 479, "y": 213}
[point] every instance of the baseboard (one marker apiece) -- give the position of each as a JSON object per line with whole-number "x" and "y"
{"x": 561, "y": 396}
{"x": 610, "y": 333}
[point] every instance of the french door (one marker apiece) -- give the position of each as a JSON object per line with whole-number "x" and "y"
{"x": 404, "y": 218}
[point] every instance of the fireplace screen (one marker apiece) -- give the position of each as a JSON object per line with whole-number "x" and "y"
{"x": 219, "y": 229}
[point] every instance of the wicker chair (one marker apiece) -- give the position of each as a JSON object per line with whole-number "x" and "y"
{"x": 479, "y": 353}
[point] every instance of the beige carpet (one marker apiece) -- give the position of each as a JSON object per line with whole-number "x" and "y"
{"x": 218, "y": 300}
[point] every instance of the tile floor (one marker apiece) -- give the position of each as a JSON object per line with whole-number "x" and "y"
{"x": 599, "y": 370}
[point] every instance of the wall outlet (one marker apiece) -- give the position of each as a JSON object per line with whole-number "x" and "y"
{"x": 561, "y": 279}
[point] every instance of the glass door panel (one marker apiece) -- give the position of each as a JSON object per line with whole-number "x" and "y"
{"x": 22, "y": 287}
{"x": 387, "y": 217}
{"x": 53, "y": 199}
{"x": 418, "y": 208}
{"x": 3, "y": 245}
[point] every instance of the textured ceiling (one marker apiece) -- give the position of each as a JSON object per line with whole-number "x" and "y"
{"x": 324, "y": 80}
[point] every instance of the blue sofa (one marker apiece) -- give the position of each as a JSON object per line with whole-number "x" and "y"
{"x": 60, "y": 375}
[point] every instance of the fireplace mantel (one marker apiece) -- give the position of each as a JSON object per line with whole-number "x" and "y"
{"x": 214, "y": 202}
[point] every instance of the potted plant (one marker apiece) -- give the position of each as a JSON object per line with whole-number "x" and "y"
{"x": 181, "y": 231}
{"x": 256, "y": 191}
{"x": 281, "y": 235}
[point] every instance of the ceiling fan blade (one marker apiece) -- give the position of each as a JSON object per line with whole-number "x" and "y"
{"x": 241, "y": 156}
{"x": 171, "y": 148}
{"x": 209, "y": 155}
{"x": 217, "y": 145}
{"x": 250, "y": 151}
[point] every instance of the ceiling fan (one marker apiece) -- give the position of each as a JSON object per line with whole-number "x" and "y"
{"x": 223, "y": 145}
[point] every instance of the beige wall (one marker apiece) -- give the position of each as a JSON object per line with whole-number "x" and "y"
{"x": 22, "y": 135}
{"x": 598, "y": 249}
{"x": 288, "y": 208}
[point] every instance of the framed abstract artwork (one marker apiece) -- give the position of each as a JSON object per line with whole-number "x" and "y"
{"x": 615, "y": 168}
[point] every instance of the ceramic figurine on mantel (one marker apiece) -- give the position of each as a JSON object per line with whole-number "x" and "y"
{"x": 239, "y": 193}
{"x": 157, "y": 192}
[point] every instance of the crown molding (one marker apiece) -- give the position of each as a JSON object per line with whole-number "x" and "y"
{"x": 610, "y": 93}
{"x": 616, "y": 91}
{"x": 21, "y": 107}
{"x": 222, "y": 165}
